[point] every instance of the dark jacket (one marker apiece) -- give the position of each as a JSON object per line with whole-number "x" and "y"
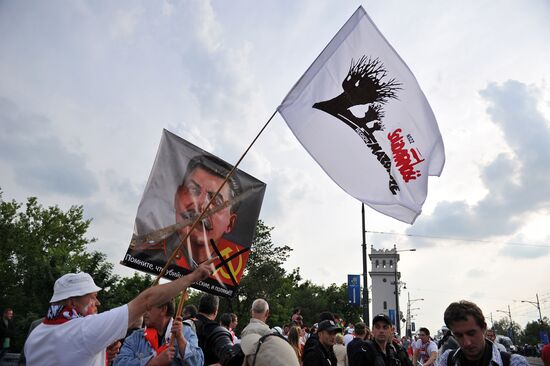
{"x": 315, "y": 354}
{"x": 354, "y": 348}
{"x": 216, "y": 342}
{"x": 6, "y": 331}
{"x": 370, "y": 354}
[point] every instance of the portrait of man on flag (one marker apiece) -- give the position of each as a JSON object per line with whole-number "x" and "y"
{"x": 183, "y": 180}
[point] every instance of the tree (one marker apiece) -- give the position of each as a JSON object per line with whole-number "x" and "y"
{"x": 264, "y": 277}
{"x": 38, "y": 245}
{"x": 124, "y": 290}
{"x": 531, "y": 334}
{"x": 504, "y": 327}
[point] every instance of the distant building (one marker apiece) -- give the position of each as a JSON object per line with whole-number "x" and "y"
{"x": 383, "y": 277}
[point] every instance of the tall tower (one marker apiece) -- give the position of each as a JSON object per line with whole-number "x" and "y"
{"x": 384, "y": 276}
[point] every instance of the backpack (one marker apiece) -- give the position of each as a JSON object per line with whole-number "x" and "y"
{"x": 262, "y": 340}
{"x": 451, "y": 359}
{"x": 401, "y": 354}
{"x": 269, "y": 349}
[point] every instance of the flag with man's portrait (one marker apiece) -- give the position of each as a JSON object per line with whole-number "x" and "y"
{"x": 360, "y": 113}
{"x": 184, "y": 178}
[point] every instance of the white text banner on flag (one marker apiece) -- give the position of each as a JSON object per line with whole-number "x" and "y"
{"x": 360, "y": 113}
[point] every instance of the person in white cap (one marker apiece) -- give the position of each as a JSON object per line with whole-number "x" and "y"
{"x": 70, "y": 335}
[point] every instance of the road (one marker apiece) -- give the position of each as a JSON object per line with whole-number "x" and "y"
{"x": 534, "y": 361}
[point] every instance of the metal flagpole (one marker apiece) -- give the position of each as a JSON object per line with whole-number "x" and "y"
{"x": 366, "y": 318}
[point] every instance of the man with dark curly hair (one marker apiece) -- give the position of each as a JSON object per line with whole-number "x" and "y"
{"x": 465, "y": 319}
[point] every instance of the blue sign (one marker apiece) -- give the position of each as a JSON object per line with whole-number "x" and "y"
{"x": 391, "y": 314}
{"x": 354, "y": 290}
{"x": 544, "y": 337}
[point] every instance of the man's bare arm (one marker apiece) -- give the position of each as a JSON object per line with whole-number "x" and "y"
{"x": 431, "y": 360}
{"x": 415, "y": 356}
{"x": 161, "y": 294}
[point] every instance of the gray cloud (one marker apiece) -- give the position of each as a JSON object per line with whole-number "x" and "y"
{"x": 476, "y": 273}
{"x": 518, "y": 251}
{"x": 126, "y": 190}
{"x": 523, "y": 252}
{"x": 518, "y": 182}
{"x": 39, "y": 160}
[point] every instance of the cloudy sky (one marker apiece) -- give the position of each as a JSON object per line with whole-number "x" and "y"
{"x": 87, "y": 87}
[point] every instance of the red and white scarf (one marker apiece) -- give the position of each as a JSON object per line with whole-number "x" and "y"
{"x": 151, "y": 335}
{"x": 59, "y": 314}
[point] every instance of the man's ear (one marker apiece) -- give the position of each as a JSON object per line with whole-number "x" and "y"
{"x": 231, "y": 225}
{"x": 164, "y": 309}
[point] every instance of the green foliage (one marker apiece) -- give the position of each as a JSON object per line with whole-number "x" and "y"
{"x": 531, "y": 333}
{"x": 41, "y": 244}
{"x": 266, "y": 278}
{"x": 38, "y": 246}
{"x": 503, "y": 327}
{"x": 124, "y": 290}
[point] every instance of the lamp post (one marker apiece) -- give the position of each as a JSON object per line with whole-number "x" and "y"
{"x": 408, "y": 329}
{"x": 396, "y": 283}
{"x": 509, "y": 313}
{"x": 537, "y": 304}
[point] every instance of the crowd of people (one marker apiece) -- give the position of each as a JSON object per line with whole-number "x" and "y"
{"x": 147, "y": 331}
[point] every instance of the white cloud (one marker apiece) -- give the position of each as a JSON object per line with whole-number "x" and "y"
{"x": 516, "y": 185}
{"x": 126, "y": 21}
{"x": 207, "y": 28}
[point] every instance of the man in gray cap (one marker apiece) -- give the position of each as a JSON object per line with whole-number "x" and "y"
{"x": 69, "y": 337}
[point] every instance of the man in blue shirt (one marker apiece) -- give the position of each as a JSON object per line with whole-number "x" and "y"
{"x": 151, "y": 346}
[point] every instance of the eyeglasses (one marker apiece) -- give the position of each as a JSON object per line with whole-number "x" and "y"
{"x": 195, "y": 190}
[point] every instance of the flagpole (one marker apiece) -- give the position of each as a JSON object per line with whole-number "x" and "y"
{"x": 365, "y": 278}
{"x": 203, "y": 213}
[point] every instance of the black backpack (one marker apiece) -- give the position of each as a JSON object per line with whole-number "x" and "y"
{"x": 451, "y": 359}
{"x": 401, "y": 354}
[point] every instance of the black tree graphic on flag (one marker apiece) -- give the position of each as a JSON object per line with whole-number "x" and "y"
{"x": 365, "y": 85}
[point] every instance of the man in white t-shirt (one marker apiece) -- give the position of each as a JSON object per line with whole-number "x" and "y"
{"x": 69, "y": 335}
{"x": 425, "y": 350}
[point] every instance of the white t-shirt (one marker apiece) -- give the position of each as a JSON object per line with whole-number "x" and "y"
{"x": 348, "y": 338}
{"x": 425, "y": 350}
{"x": 81, "y": 341}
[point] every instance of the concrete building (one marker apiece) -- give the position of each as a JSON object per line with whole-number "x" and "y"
{"x": 383, "y": 276}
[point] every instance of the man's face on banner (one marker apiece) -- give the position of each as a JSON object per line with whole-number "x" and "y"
{"x": 191, "y": 199}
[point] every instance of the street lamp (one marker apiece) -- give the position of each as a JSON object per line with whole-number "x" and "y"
{"x": 509, "y": 313}
{"x": 408, "y": 324}
{"x": 537, "y": 304}
{"x": 396, "y": 283}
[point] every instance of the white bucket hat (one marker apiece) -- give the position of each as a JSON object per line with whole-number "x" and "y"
{"x": 73, "y": 284}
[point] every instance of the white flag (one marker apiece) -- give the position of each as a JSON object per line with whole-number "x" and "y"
{"x": 360, "y": 113}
